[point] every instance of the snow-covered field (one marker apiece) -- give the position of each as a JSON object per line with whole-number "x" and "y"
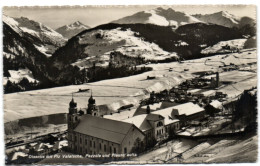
{"x": 122, "y": 91}
{"x": 217, "y": 48}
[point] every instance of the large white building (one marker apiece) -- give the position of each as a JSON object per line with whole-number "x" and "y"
{"x": 89, "y": 133}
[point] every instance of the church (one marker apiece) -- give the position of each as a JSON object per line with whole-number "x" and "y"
{"x": 88, "y": 133}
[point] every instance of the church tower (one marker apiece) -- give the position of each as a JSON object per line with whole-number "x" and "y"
{"x": 73, "y": 117}
{"x": 92, "y": 109}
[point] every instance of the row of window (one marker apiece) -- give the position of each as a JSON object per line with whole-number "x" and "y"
{"x": 159, "y": 132}
{"x": 93, "y": 144}
{"x": 105, "y": 149}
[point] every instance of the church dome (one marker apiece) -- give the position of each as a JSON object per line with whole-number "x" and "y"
{"x": 73, "y": 104}
{"x": 91, "y": 100}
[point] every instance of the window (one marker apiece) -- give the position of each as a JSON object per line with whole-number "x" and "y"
{"x": 75, "y": 137}
{"x": 110, "y": 149}
{"x": 159, "y": 124}
{"x": 100, "y": 146}
{"x": 125, "y": 150}
{"x": 80, "y": 140}
{"x": 90, "y": 143}
{"x": 105, "y": 148}
{"x": 86, "y": 141}
{"x": 94, "y": 144}
{"x": 114, "y": 150}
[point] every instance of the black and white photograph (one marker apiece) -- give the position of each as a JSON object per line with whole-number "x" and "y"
{"x": 129, "y": 84}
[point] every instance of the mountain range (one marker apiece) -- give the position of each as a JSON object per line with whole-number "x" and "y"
{"x": 159, "y": 16}
{"x": 76, "y": 53}
{"x": 170, "y": 17}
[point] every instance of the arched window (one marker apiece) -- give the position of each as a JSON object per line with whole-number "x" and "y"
{"x": 159, "y": 124}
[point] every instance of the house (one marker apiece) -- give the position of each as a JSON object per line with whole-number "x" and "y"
{"x": 213, "y": 107}
{"x": 188, "y": 112}
{"x": 152, "y": 125}
{"x": 171, "y": 125}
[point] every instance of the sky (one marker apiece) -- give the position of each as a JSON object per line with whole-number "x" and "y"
{"x": 57, "y": 16}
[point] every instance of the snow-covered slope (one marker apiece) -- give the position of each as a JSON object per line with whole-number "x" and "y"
{"x": 17, "y": 75}
{"x": 95, "y": 46}
{"x": 39, "y": 34}
{"x": 159, "y": 16}
{"x": 117, "y": 40}
{"x": 71, "y": 30}
{"x": 220, "y": 18}
{"x": 225, "y": 46}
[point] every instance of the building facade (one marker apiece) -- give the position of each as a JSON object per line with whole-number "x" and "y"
{"x": 90, "y": 134}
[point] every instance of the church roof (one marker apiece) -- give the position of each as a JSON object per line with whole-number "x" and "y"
{"x": 106, "y": 129}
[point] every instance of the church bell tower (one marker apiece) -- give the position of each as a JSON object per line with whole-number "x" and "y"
{"x": 92, "y": 109}
{"x": 73, "y": 117}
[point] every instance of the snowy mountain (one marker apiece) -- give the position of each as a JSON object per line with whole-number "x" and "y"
{"x": 20, "y": 58}
{"x": 159, "y": 16}
{"x": 220, "y": 18}
{"x": 96, "y": 45}
{"x": 45, "y": 39}
{"x": 71, "y": 30}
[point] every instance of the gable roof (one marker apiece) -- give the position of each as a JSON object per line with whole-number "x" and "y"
{"x": 166, "y": 113}
{"x": 154, "y": 117}
{"x": 188, "y": 109}
{"x": 154, "y": 106}
{"x": 216, "y": 104}
{"x": 140, "y": 122}
{"x": 106, "y": 129}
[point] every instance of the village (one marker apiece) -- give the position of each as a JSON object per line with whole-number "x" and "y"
{"x": 194, "y": 108}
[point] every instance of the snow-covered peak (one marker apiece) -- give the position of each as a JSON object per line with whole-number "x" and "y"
{"x": 44, "y": 37}
{"x": 12, "y": 23}
{"x": 77, "y": 25}
{"x": 223, "y": 18}
{"x": 71, "y": 30}
{"x": 159, "y": 16}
